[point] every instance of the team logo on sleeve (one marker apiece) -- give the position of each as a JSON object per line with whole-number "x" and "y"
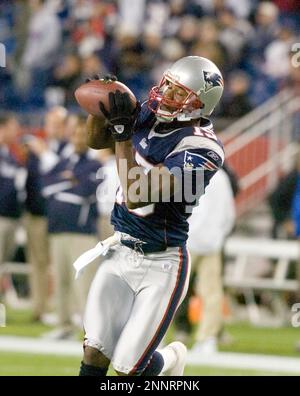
{"x": 212, "y": 80}
{"x": 196, "y": 161}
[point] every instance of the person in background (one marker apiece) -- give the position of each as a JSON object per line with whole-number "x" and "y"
{"x": 41, "y": 156}
{"x": 210, "y": 224}
{"x": 70, "y": 192}
{"x": 41, "y": 49}
{"x": 236, "y": 102}
{"x": 12, "y": 179}
{"x": 296, "y": 223}
{"x": 281, "y": 201}
{"x": 56, "y": 145}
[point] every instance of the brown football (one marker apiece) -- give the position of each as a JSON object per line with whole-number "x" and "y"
{"x": 89, "y": 95}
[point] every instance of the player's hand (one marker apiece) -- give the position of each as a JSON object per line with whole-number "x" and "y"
{"x": 121, "y": 115}
{"x": 107, "y": 77}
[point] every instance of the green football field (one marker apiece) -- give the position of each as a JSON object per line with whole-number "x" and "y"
{"x": 246, "y": 339}
{"x": 20, "y": 364}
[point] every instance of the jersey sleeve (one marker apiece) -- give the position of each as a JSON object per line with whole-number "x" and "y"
{"x": 145, "y": 118}
{"x": 193, "y": 159}
{"x": 193, "y": 168}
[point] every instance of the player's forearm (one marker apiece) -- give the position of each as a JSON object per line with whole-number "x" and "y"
{"x": 156, "y": 186}
{"x": 98, "y": 137}
{"x": 125, "y": 162}
{"x": 159, "y": 185}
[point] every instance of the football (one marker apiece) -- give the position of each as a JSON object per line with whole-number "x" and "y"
{"x": 89, "y": 95}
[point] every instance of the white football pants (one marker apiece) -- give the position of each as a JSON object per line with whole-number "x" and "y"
{"x": 131, "y": 303}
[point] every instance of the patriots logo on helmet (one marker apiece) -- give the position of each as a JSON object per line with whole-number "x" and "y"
{"x": 212, "y": 80}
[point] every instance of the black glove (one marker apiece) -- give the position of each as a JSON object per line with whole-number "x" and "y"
{"x": 121, "y": 115}
{"x": 107, "y": 77}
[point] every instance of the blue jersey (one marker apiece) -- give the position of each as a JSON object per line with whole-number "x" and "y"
{"x": 179, "y": 147}
{"x": 11, "y": 185}
{"x": 71, "y": 204}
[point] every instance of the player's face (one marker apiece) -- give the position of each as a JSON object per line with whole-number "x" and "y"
{"x": 175, "y": 95}
{"x": 170, "y": 98}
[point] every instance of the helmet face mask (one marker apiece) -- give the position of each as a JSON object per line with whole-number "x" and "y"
{"x": 167, "y": 109}
{"x": 202, "y": 82}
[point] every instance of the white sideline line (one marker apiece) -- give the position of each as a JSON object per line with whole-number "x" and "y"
{"x": 247, "y": 362}
{"x": 221, "y": 359}
{"x": 40, "y": 346}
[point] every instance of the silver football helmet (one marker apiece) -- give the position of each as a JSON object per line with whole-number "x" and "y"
{"x": 203, "y": 83}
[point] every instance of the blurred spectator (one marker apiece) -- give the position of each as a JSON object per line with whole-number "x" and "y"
{"x": 295, "y": 217}
{"x": 70, "y": 191}
{"x": 70, "y": 125}
{"x": 208, "y": 44}
{"x": 266, "y": 29}
{"x": 188, "y": 32}
{"x": 295, "y": 208}
{"x": 22, "y": 17}
{"x": 131, "y": 67}
{"x": 37, "y": 236}
{"x": 157, "y": 15}
{"x": 171, "y": 50}
{"x": 177, "y": 10}
{"x": 236, "y": 102}
{"x": 12, "y": 181}
{"x": 56, "y": 145}
{"x": 242, "y": 7}
{"x": 277, "y": 54}
{"x": 100, "y": 36}
{"x": 217, "y": 218}
{"x": 82, "y": 9}
{"x": 235, "y": 33}
{"x": 40, "y": 53}
{"x": 280, "y": 201}
{"x": 41, "y": 157}
{"x": 67, "y": 76}
{"x": 152, "y": 41}
{"x": 92, "y": 65}
{"x": 131, "y": 13}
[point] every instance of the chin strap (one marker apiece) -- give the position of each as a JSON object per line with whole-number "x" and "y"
{"x": 164, "y": 116}
{"x": 188, "y": 116}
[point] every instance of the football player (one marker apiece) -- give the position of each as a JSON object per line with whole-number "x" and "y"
{"x": 137, "y": 291}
